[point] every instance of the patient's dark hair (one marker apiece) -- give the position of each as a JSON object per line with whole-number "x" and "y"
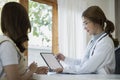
{"x": 15, "y": 23}
{"x": 96, "y": 15}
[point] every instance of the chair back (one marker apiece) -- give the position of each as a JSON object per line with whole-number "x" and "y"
{"x": 117, "y": 57}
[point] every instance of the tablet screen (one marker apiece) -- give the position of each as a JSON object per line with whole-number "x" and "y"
{"x": 51, "y": 61}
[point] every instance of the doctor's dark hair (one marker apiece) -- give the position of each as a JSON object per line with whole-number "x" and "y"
{"x": 15, "y": 23}
{"x": 96, "y": 15}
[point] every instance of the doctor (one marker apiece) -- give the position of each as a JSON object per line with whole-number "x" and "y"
{"x": 99, "y": 57}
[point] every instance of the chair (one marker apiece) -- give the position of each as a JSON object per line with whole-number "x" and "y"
{"x": 117, "y": 57}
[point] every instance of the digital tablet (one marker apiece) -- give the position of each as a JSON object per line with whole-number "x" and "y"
{"x": 51, "y": 61}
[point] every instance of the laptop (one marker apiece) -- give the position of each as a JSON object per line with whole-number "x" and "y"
{"x": 51, "y": 61}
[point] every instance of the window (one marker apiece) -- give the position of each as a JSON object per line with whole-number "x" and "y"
{"x": 43, "y": 41}
{"x": 41, "y": 21}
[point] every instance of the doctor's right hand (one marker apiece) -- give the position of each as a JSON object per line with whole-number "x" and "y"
{"x": 60, "y": 56}
{"x": 58, "y": 70}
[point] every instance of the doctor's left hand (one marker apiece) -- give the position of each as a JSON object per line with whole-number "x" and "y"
{"x": 58, "y": 70}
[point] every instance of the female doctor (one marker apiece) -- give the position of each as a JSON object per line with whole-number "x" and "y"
{"x": 99, "y": 57}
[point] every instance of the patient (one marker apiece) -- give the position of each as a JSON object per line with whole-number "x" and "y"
{"x": 15, "y": 26}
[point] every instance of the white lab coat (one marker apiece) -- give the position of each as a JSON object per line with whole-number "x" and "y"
{"x": 101, "y": 59}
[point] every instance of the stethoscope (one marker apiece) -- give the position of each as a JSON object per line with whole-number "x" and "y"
{"x": 105, "y": 34}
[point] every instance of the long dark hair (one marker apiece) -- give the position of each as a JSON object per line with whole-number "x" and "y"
{"x": 96, "y": 15}
{"x": 15, "y": 23}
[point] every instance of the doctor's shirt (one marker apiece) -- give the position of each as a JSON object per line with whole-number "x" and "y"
{"x": 99, "y": 57}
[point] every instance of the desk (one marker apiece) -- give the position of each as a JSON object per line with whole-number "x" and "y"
{"x": 76, "y": 77}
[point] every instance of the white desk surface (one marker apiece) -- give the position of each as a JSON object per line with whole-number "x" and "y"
{"x": 76, "y": 77}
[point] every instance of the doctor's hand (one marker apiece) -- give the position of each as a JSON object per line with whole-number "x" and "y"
{"x": 58, "y": 70}
{"x": 60, "y": 56}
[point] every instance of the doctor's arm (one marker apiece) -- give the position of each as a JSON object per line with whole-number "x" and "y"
{"x": 91, "y": 65}
{"x": 67, "y": 60}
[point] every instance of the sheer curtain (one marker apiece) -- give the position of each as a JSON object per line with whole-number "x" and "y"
{"x": 72, "y": 36}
